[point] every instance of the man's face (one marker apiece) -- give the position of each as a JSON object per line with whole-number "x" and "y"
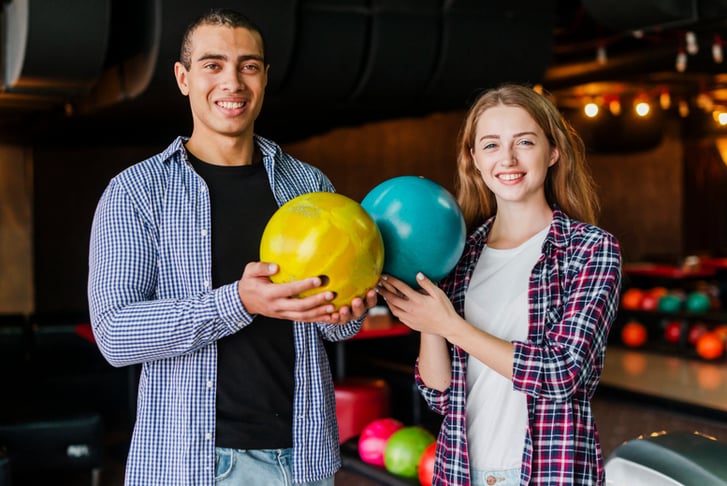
{"x": 225, "y": 82}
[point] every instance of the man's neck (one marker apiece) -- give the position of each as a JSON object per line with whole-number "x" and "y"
{"x": 223, "y": 150}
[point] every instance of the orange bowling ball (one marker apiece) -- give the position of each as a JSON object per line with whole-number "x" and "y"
{"x": 325, "y": 234}
{"x": 634, "y": 334}
{"x": 710, "y": 346}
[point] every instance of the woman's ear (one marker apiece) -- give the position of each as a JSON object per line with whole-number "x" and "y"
{"x": 554, "y": 156}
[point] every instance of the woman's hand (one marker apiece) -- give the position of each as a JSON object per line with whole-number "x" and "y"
{"x": 427, "y": 310}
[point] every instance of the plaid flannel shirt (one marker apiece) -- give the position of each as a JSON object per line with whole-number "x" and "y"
{"x": 573, "y": 298}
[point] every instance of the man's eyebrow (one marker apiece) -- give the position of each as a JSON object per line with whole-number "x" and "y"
{"x": 222, "y": 57}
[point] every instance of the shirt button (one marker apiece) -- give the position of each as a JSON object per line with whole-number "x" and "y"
{"x": 206, "y": 284}
{"x": 202, "y": 188}
{"x": 210, "y": 384}
{"x": 204, "y": 232}
{"x": 208, "y": 436}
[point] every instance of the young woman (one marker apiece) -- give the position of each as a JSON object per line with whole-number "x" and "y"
{"x": 513, "y": 340}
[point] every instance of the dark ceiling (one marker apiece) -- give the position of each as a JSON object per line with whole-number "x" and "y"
{"x": 101, "y": 70}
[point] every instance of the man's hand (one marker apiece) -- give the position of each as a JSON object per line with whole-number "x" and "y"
{"x": 261, "y": 296}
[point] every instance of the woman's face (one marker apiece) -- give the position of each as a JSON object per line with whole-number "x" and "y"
{"x": 513, "y": 155}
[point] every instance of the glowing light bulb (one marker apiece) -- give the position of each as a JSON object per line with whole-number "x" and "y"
{"x": 614, "y": 106}
{"x": 665, "y": 100}
{"x": 691, "y": 39}
{"x": 681, "y": 61}
{"x": 601, "y": 55}
{"x": 642, "y": 108}
{"x": 683, "y": 108}
{"x": 591, "y": 109}
{"x": 717, "y": 54}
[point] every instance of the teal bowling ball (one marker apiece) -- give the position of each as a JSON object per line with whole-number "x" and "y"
{"x": 697, "y": 302}
{"x": 670, "y": 303}
{"x": 421, "y": 224}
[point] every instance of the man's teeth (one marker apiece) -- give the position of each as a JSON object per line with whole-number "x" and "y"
{"x": 230, "y": 105}
{"x": 510, "y": 177}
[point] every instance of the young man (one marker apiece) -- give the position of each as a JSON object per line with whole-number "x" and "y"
{"x": 235, "y": 386}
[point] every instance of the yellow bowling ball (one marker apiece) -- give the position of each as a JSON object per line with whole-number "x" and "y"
{"x": 324, "y": 233}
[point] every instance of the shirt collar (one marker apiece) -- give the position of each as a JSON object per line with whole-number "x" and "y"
{"x": 176, "y": 152}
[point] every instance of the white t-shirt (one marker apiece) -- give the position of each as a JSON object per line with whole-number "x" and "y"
{"x": 497, "y": 302}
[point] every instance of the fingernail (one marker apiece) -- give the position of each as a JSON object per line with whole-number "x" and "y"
{"x": 420, "y": 276}
{"x": 324, "y": 280}
{"x": 333, "y": 295}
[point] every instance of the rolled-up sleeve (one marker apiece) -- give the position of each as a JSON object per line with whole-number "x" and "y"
{"x": 575, "y": 330}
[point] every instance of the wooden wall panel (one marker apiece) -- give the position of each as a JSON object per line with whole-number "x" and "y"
{"x": 16, "y": 230}
{"x": 358, "y": 158}
{"x": 641, "y": 197}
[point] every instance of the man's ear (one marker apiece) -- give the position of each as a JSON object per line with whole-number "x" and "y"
{"x": 180, "y": 73}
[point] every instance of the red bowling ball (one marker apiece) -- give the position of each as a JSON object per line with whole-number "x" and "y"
{"x": 426, "y": 465}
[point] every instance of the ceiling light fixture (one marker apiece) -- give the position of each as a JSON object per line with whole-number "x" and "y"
{"x": 717, "y": 49}
{"x": 683, "y": 108}
{"x": 614, "y": 106}
{"x": 691, "y": 40}
{"x": 601, "y": 55}
{"x": 642, "y": 108}
{"x": 591, "y": 109}
{"x": 681, "y": 61}
{"x": 665, "y": 99}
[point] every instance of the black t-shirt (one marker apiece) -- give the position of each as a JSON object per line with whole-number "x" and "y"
{"x": 255, "y": 365}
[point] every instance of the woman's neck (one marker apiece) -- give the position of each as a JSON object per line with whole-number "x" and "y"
{"x": 512, "y": 227}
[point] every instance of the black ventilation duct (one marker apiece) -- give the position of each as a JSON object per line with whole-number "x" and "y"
{"x": 621, "y": 15}
{"x": 53, "y": 48}
{"x": 333, "y": 62}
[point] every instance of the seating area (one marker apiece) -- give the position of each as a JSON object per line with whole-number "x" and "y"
{"x": 58, "y": 403}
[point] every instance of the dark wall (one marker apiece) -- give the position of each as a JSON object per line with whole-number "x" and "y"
{"x": 642, "y": 193}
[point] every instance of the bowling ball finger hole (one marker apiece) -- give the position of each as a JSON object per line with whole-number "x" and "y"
{"x": 324, "y": 280}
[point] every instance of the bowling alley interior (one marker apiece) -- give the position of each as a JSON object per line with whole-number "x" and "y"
{"x": 367, "y": 91}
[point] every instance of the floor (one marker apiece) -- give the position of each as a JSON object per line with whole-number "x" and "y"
{"x": 622, "y": 412}
{"x": 620, "y": 417}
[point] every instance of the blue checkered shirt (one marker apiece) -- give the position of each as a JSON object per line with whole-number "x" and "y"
{"x": 573, "y": 298}
{"x": 151, "y": 302}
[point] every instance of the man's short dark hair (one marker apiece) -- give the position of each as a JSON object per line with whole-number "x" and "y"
{"x": 216, "y": 16}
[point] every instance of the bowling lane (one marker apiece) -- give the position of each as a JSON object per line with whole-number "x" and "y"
{"x": 645, "y": 392}
{"x": 685, "y": 381}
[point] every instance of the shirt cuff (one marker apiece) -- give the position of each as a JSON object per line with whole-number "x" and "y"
{"x": 230, "y": 308}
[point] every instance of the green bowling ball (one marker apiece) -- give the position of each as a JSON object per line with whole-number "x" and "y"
{"x": 404, "y": 449}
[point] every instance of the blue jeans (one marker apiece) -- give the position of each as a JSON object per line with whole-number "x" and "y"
{"x": 264, "y": 467}
{"x": 504, "y": 477}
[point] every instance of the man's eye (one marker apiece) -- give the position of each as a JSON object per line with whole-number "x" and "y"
{"x": 250, "y": 67}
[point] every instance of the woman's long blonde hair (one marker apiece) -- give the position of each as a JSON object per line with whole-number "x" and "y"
{"x": 568, "y": 184}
